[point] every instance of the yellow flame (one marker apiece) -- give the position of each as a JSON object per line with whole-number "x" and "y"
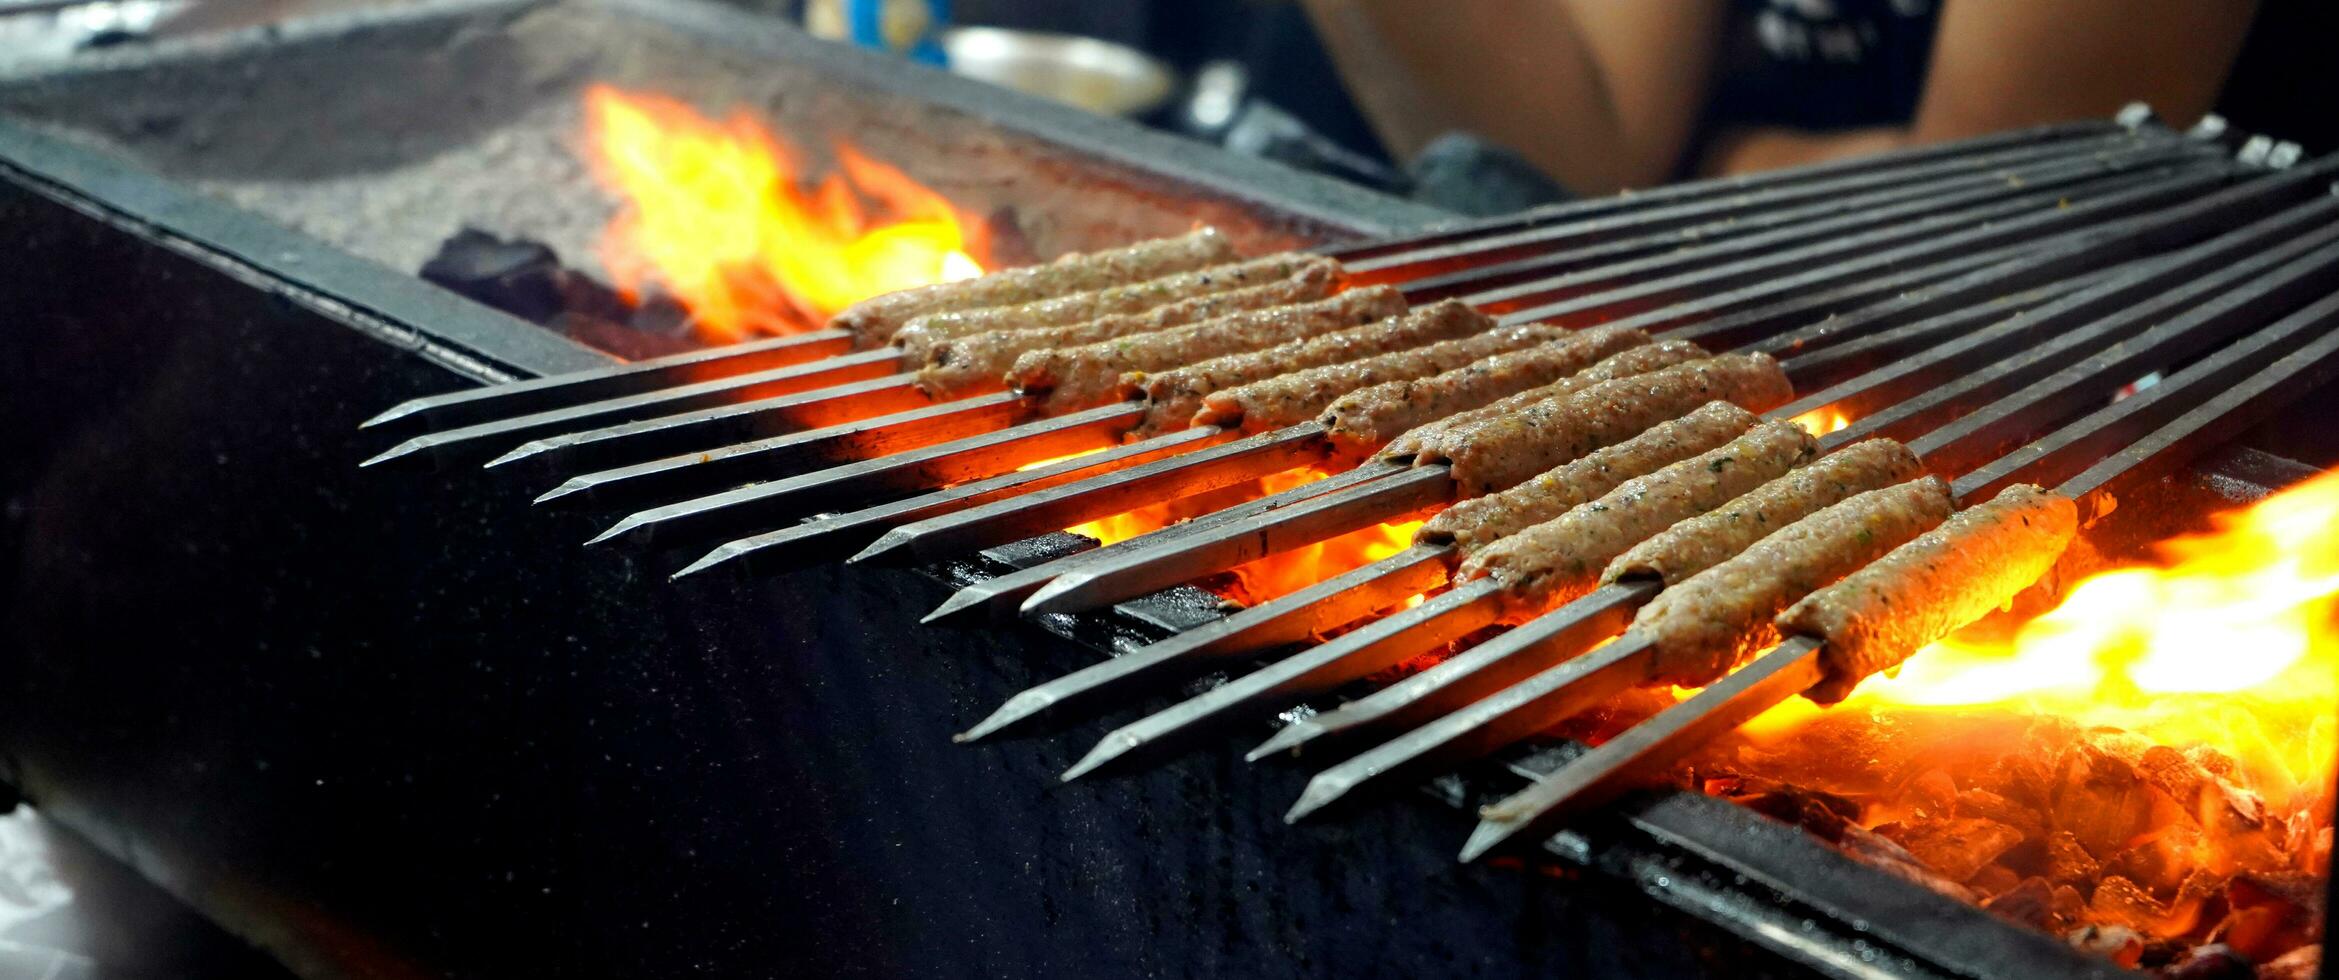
{"x": 721, "y": 216}
{"x": 2231, "y": 639}
{"x": 1822, "y": 421}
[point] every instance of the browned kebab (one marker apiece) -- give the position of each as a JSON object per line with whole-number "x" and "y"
{"x": 1530, "y": 245}
{"x": 923, "y": 455}
{"x": 1059, "y": 494}
{"x": 1473, "y": 454}
{"x": 1728, "y": 577}
{"x": 1601, "y": 470}
{"x": 880, "y": 408}
{"x": 1548, "y": 539}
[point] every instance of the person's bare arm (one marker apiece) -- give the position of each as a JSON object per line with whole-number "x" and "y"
{"x": 1601, "y": 94}
{"x": 2003, "y": 65}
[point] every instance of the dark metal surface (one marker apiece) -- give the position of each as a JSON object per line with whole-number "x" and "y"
{"x": 356, "y": 717}
{"x": 359, "y": 720}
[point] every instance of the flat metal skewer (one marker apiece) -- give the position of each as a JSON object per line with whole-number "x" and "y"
{"x": 706, "y": 428}
{"x": 1328, "y": 603}
{"x": 1983, "y": 226}
{"x": 1000, "y": 596}
{"x": 1056, "y": 508}
{"x": 1545, "y": 700}
{"x": 1734, "y": 186}
{"x": 1168, "y": 562}
{"x": 539, "y": 394}
{"x": 836, "y": 536}
{"x": 1501, "y": 662}
{"x": 758, "y": 504}
{"x": 789, "y": 454}
{"x": 1503, "y": 260}
{"x": 1306, "y": 672}
{"x": 1621, "y": 763}
{"x": 484, "y": 438}
{"x": 1629, "y": 759}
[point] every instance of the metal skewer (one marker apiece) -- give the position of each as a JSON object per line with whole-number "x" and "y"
{"x": 1629, "y": 760}
{"x": 960, "y": 528}
{"x": 2132, "y": 124}
{"x": 999, "y": 597}
{"x": 484, "y": 438}
{"x": 834, "y": 537}
{"x": 540, "y": 394}
{"x": 728, "y": 422}
{"x": 907, "y": 471}
{"x": 1330, "y": 602}
{"x": 1813, "y": 212}
{"x": 1448, "y": 733}
{"x": 1017, "y": 518}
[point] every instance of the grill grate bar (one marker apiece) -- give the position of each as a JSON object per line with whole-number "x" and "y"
{"x": 1506, "y": 260}
{"x": 1675, "y": 194}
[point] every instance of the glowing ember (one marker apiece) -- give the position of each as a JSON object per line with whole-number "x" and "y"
{"x": 2154, "y": 757}
{"x": 2230, "y": 642}
{"x": 723, "y": 217}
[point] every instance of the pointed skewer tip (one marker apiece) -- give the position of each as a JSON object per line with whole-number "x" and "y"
{"x": 884, "y": 545}
{"x": 1292, "y": 736}
{"x": 1315, "y": 797}
{"x": 572, "y": 486}
{"x": 615, "y": 530}
{"x": 707, "y": 561}
{"x": 399, "y": 451}
{"x": 525, "y": 450}
{"x": 1488, "y": 835}
{"x": 958, "y": 602}
{"x": 1058, "y": 596}
{"x": 395, "y": 413}
{"x": 1107, "y": 749}
{"x": 1016, "y": 709}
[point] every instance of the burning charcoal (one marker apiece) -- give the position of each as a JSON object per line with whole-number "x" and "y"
{"x": 2069, "y": 863}
{"x": 2031, "y": 903}
{"x": 2160, "y": 864}
{"x": 1936, "y": 791}
{"x": 2212, "y": 962}
{"x": 2239, "y": 835}
{"x": 2070, "y": 905}
{"x": 1996, "y": 879}
{"x": 1987, "y": 805}
{"x": 2175, "y": 774}
{"x": 2119, "y": 901}
{"x": 617, "y": 338}
{"x": 2309, "y": 846}
{"x": 1957, "y": 847}
{"x": 1805, "y": 810}
{"x": 1882, "y": 854}
{"x": 2118, "y": 944}
{"x": 2200, "y": 899}
{"x": 2271, "y": 914}
{"x": 2100, "y": 799}
{"x": 523, "y": 278}
{"x": 2210, "y": 759}
{"x": 2303, "y": 963}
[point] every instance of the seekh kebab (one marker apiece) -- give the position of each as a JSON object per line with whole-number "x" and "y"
{"x": 1869, "y": 620}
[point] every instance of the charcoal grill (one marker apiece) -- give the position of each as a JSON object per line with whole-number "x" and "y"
{"x": 398, "y": 726}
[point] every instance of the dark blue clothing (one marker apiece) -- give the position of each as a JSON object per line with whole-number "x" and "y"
{"x": 1823, "y": 64}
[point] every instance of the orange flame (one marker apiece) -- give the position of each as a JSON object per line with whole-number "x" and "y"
{"x": 1273, "y": 575}
{"x": 1822, "y": 421}
{"x": 722, "y": 217}
{"x": 2231, "y": 641}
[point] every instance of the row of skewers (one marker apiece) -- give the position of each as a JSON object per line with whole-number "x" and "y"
{"x": 1591, "y": 403}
